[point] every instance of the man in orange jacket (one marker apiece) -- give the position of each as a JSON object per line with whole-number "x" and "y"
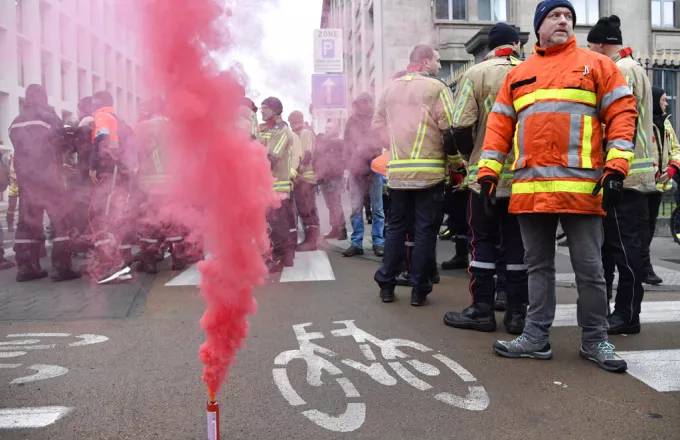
{"x": 550, "y": 110}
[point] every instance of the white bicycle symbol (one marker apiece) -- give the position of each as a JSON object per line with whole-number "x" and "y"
{"x": 355, "y": 414}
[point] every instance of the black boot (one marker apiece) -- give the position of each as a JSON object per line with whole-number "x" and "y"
{"x": 309, "y": 243}
{"x": 446, "y": 235}
{"x": 387, "y": 294}
{"x": 336, "y": 234}
{"x": 652, "y": 279}
{"x": 501, "y": 303}
{"x": 619, "y": 325}
{"x": 457, "y": 262}
{"x": 403, "y": 278}
{"x": 514, "y": 319}
{"x": 418, "y": 299}
{"x": 435, "y": 278}
{"x": 65, "y": 274}
{"x": 478, "y": 317}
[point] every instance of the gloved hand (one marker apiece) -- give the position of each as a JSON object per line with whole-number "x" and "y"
{"x": 611, "y": 184}
{"x": 488, "y": 194}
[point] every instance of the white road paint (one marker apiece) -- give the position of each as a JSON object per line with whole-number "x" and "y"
{"x": 20, "y": 342}
{"x": 39, "y": 417}
{"x": 190, "y": 277}
{"x": 659, "y": 369}
{"x": 309, "y": 266}
{"x": 10, "y": 365}
{"x": 391, "y": 350}
{"x": 88, "y": 340}
{"x": 30, "y": 347}
{"x": 11, "y": 354}
{"x": 39, "y": 335}
{"x": 652, "y": 312}
{"x": 43, "y": 372}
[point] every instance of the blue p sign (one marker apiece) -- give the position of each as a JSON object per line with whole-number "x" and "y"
{"x": 328, "y": 48}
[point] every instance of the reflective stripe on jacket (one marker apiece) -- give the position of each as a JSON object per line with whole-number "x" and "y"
{"x": 308, "y": 141}
{"x": 641, "y": 175}
{"x": 415, "y": 109}
{"x": 473, "y": 103}
{"x": 150, "y": 138}
{"x": 550, "y": 110}
{"x": 279, "y": 142}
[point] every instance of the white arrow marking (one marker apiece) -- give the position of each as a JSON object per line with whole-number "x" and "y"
{"x": 11, "y": 354}
{"x": 88, "y": 339}
{"x": 30, "y": 347}
{"x": 21, "y": 342}
{"x": 9, "y": 365}
{"x": 328, "y": 85}
{"x": 39, "y": 335}
{"x": 16, "y": 418}
{"x": 43, "y": 372}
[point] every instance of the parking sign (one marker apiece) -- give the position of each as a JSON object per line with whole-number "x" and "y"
{"x": 328, "y": 51}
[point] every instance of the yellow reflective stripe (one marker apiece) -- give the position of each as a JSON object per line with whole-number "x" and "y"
{"x": 393, "y": 145}
{"x": 417, "y": 169}
{"x": 462, "y": 100}
{"x": 282, "y": 186}
{"x": 618, "y": 154}
{"x": 516, "y": 146}
{"x": 582, "y": 96}
{"x": 495, "y": 166}
{"x": 586, "y": 144}
{"x": 488, "y": 103}
{"x": 420, "y": 136}
{"x": 448, "y": 106}
{"x": 280, "y": 144}
{"x": 157, "y": 160}
{"x": 407, "y": 161}
{"x": 553, "y": 186}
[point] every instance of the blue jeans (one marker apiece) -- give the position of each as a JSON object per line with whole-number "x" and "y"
{"x": 358, "y": 187}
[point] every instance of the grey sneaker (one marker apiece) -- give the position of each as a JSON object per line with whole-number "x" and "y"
{"x": 521, "y": 347}
{"x": 603, "y": 355}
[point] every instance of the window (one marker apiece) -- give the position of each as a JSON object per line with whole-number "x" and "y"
{"x": 20, "y": 16}
{"x": 587, "y": 11}
{"x": 493, "y": 10}
{"x": 663, "y": 13}
{"x": 82, "y": 84}
{"x": 46, "y": 70}
{"x": 65, "y": 79}
{"x": 450, "y": 9}
{"x": 449, "y": 67}
{"x": 668, "y": 80}
{"x": 22, "y": 52}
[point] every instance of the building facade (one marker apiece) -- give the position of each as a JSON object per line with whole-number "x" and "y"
{"x": 379, "y": 34}
{"x": 73, "y": 48}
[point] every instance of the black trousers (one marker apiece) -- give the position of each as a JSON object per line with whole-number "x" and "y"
{"x": 653, "y": 204}
{"x": 332, "y": 192}
{"x": 305, "y": 202}
{"x": 421, "y": 210}
{"x": 625, "y": 238}
{"x": 457, "y": 209}
{"x": 36, "y": 199}
{"x": 486, "y": 233}
{"x": 283, "y": 233}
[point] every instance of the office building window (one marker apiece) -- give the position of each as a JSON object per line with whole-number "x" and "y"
{"x": 65, "y": 77}
{"x": 587, "y": 11}
{"x": 449, "y": 67}
{"x": 82, "y": 84}
{"x": 46, "y": 71}
{"x": 22, "y": 52}
{"x": 450, "y": 9}
{"x": 18, "y": 7}
{"x": 663, "y": 14}
{"x": 493, "y": 10}
{"x": 668, "y": 81}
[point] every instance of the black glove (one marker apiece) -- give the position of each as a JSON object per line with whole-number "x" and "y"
{"x": 611, "y": 184}
{"x": 488, "y": 194}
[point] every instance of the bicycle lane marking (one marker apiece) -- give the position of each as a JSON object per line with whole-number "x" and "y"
{"x": 355, "y": 413}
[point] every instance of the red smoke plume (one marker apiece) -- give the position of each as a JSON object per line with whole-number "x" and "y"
{"x": 224, "y": 175}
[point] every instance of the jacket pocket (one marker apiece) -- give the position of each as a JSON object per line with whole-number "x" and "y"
{"x": 580, "y": 78}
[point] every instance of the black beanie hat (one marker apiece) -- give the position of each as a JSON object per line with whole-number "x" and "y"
{"x": 502, "y": 34}
{"x": 544, "y": 8}
{"x": 607, "y": 30}
{"x": 274, "y": 104}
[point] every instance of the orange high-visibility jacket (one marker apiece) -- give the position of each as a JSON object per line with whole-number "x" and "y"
{"x": 550, "y": 110}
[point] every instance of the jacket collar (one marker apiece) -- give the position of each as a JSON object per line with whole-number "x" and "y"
{"x": 568, "y": 46}
{"x": 504, "y": 51}
{"x": 105, "y": 110}
{"x": 623, "y": 53}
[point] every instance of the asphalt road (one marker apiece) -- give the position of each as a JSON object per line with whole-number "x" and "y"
{"x": 144, "y": 382}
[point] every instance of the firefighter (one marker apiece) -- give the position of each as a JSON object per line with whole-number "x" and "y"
{"x": 626, "y": 230}
{"x": 157, "y": 228}
{"x": 279, "y": 139}
{"x": 5, "y": 181}
{"x": 248, "y": 118}
{"x": 111, "y": 166}
{"x": 12, "y": 196}
{"x": 418, "y": 129}
{"x": 38, "y": 138}
{"x": 305, "y": 183}
{"x": 551, "y": 110}
{"x": 490, "y": 224}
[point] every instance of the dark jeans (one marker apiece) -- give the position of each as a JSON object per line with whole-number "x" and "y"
{"x": 625, "y": 236}
{"x": 332, "y": 190}
{"x": 283, "y": 233}
{"x": 486, "y": 232}
{"x": 423, "y": 210}
{"x": 305, "y": 201}
{"x": 653, "y": 203}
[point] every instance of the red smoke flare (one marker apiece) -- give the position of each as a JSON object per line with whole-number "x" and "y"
{"x": 224, "y": 174}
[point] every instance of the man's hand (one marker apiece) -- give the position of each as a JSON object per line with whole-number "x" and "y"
{"x": 611, "y": 184}
{"x": 93, "y": 176}
{"x": 488, "y": 194}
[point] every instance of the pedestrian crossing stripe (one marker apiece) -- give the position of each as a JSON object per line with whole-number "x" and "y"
{"x": 652, "y": 312}
{"x": 658, "y": 369}
{"x": 308, "y": 266}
